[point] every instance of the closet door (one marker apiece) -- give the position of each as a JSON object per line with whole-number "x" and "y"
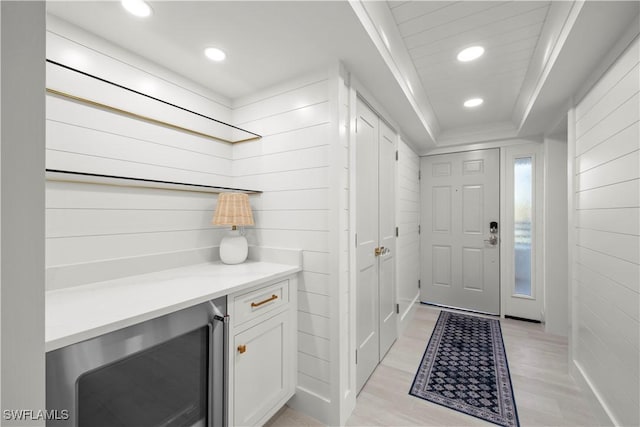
{"x": 376, "y": 317}
{"x": 387, "y": 237}
{"x": 367, "y": 328}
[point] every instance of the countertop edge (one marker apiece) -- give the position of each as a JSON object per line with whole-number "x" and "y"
{"x": 76, "y": 337}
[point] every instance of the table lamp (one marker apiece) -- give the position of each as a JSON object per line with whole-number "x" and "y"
{"x": 233, "y": 209}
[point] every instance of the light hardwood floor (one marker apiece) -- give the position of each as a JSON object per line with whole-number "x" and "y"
{"x": 545, "y": 393}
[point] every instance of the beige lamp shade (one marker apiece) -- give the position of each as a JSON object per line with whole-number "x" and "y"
{"x": 233, "y": 209}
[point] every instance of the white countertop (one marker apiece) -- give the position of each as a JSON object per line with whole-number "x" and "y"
{"x": 82, "y": 312}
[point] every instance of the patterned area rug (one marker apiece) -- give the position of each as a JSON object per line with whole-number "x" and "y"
{"x": 465, "y": 368}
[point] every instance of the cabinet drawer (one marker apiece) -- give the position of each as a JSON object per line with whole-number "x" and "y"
{"x": 252, "y": 304}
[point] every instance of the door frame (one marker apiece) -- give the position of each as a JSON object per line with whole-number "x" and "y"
{"x": 506, "y": 146}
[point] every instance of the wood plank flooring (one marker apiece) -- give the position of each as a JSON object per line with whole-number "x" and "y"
{"x": 545, "y": 393}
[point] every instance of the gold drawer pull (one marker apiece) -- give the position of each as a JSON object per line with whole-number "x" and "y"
{"x": 242, "y": 348}
{"x": 258, "y": 304}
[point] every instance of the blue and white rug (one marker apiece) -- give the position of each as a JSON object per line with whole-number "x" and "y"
{"x": 465, "y": 368}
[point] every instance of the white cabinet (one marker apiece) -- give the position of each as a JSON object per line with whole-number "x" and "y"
{"x": 262, "y": 351}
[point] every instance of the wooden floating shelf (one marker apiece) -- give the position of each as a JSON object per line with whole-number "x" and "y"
{"x": 124, "y": 181}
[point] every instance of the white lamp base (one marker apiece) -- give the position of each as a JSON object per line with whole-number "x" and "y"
{"x": 234, "y": 248}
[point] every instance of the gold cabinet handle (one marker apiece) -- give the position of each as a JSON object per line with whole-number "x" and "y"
{"x": 379, "y": 251}
{"x": 242, "y": 348}
{"x": 258, "y": 304}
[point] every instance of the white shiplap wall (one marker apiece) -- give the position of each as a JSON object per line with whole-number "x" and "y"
{"x": 606, "y": 270}
{"x": 408, "y": 242}
{"x": 291, "y": 165}
{"x": 98, "y": 232}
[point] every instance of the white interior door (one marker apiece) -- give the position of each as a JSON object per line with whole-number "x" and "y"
{"x": 367, "y": 327}
{"x": 387, "y": 238}
{"x": 460, "y": 255}
{"x": 376, "y": 316}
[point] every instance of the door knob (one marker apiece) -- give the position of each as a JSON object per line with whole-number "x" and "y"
{"x": 381, "y": 251}
{"x": 493, "y": 240}
{"x": 242, "y": 348}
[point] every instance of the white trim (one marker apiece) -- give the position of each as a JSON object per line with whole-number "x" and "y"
{"x": 553, "y": 56}
{"x": 571, "y": 239}
{"x": 406, "y": 316}
{"x": 335, "y": 312}
{"x": 353, "y": 267}
{"x": 481, "y": 146}
{"x": 510, "y": 299}
{"x": 603, "y": 413}
{"x": 395, "y": 60}
{"x": 607, "y": 62}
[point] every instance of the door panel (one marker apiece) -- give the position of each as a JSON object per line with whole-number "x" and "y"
{"x": 387, "y": 237}
{"x": 367, "y": 336}
{"x": 441, "y": 209}
{"x": 460, "y": 269}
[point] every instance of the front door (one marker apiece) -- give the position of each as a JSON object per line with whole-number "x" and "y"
{"x": 460, "y": 230}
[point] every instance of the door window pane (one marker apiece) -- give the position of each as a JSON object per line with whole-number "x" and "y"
{"x": 522, "y": 212}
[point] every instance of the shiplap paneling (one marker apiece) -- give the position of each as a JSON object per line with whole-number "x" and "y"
{"x": 611, "y": 220}
{"x": 65, "y": 111}
{"x": 408, "y": 217}
{"x": 291, "y": 166}
{"x": 100, "y": 232}
{"x": 607, "y": 256}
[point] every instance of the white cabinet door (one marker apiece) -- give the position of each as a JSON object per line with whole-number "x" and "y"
{"x": 262, "y": 375}
{"x": 460, "y": 261}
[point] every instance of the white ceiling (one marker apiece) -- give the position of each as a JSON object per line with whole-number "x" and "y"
{"x": 434, "y": 32}
{"x": 266, "y": 42}
{"x": 269, "y": 42}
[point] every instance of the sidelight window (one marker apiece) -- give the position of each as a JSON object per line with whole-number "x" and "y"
{"x": 522, "y": 216}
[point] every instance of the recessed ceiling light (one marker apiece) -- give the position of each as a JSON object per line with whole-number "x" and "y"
{"x": 215, "y": 54}
{"x": 470, "y": 53}
{"x": 473, "y": 102}
{"x": 137, "y": 7}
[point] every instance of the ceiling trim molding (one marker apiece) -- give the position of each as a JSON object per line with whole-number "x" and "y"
{"x": 621, "y": 45}
{"x": 553, "y": 56}
{"x": 373, "y": 27}
{"x": 482, "y": 146}
{"x": 490, "y": 132}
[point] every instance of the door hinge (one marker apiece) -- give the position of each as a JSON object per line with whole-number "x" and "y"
{"x": 356, "y": 356}
{"x": 419, "y": 284}
{"x": 419, "y": 174}
{"x": 356, "y": 240}
{"x": 418, "y": 229}
{"x": 398, "y": 308}
{"x": 396, "y": 155}
{"x": 397, "y": 232}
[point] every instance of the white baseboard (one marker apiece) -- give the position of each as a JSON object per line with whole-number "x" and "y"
{"x": 406, "y": 316}
{"x": 313, "y": 405}
{"x": 603, "y": 413}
